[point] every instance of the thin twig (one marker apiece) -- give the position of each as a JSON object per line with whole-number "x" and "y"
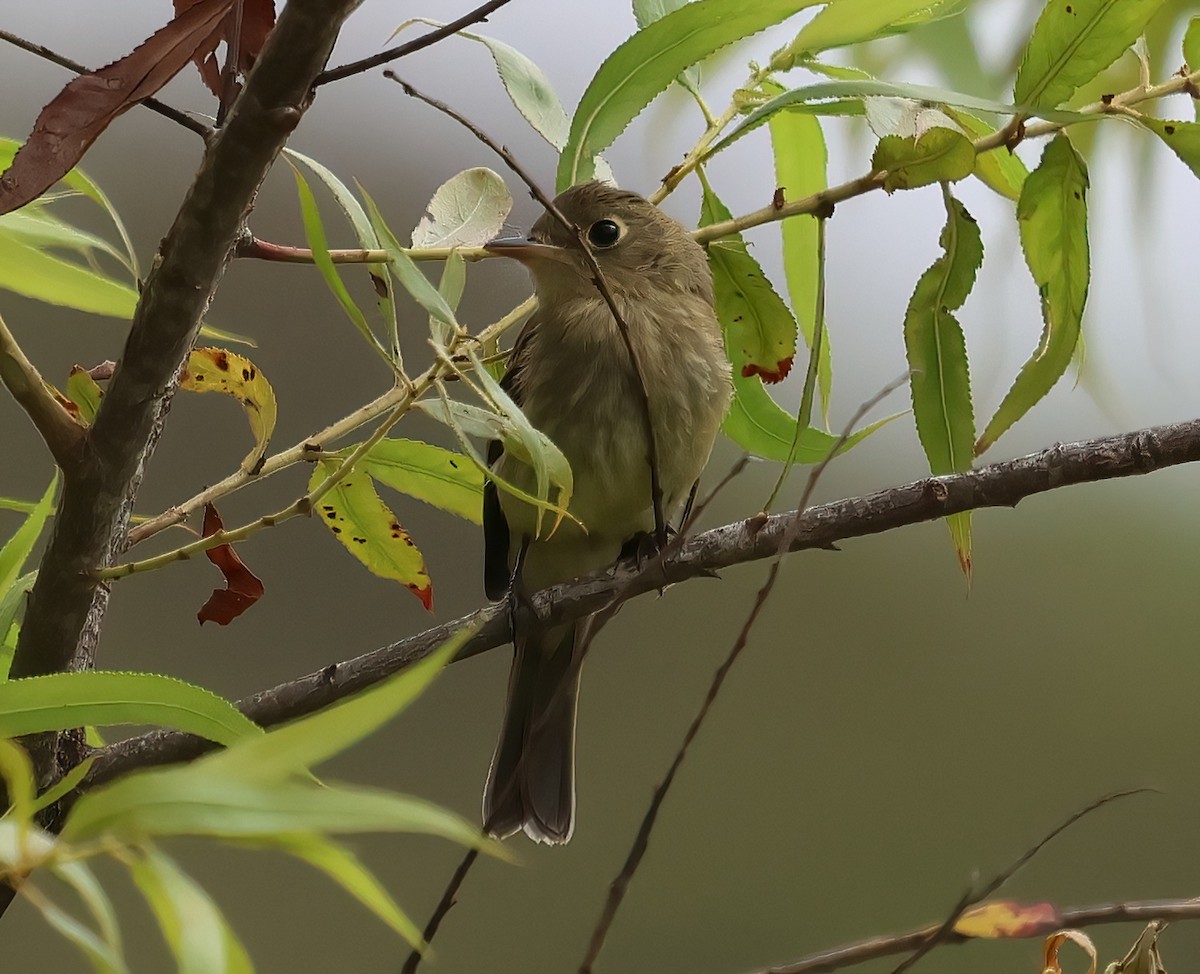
{"x": 163, "y": 109}
{"x": 973, "y": 897}
{"x": 252, "y": 247}
{"x": 475, "y": 16}
{"x": 229, "y": 74}
{"x": 618, "y": 887}
{"x": 601, "y": 283}
{"x": 445, "y": 904}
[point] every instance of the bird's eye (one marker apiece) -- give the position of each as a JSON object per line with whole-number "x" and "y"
{"x": 604, "y": 233}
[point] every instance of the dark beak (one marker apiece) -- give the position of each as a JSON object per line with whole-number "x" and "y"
{"x": 519, "y": 248}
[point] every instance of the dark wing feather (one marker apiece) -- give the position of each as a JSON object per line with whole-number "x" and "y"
{"x": 496, "y": 572}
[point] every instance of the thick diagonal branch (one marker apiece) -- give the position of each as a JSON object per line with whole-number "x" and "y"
{"x": 1001, "y": 484}
{"x": 65, "y": 605}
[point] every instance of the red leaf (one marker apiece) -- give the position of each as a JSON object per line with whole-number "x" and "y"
{"x": 78, "y": 114}
{"x": 258, "y": 18}
{"x": 769, "y": 376}
{"x": 242, "y": 589}
{"x": 1007, "y": 918}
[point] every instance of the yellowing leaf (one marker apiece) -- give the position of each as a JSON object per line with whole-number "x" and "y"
{"x": 1055, "y": 942}
{"x": 218, "y": 370}
{"x": 440, "y": 477}
{"x": 1182, "y": 138}
{"x": 361, "y": 521}
{"x": 1006, "y": 918}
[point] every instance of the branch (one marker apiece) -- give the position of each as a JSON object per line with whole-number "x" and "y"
{"x": 174, "y": 114}
{"x": 874, "y": 948}
{"x": 475, "y": 16}
{"x": 823, "y": 201}
{"x": 62, "y": 434}
{"x": 66, "y": 606}
{"x": 1001, "y": 484}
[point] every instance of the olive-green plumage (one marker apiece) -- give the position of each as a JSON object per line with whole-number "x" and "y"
{"x": 570, "y": 373}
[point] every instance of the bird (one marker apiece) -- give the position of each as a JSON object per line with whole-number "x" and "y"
{"x": 570, "y": 372}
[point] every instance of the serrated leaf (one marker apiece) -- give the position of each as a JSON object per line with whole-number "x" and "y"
{"x": 940, "y": 380}
{"x": 356, "y": 515}
{"x": 1072, "y": 42}
{"x": 800, "y": 162}
{"x": 760, "y": 331}
{"x": 200, "y": 938}
{"x": 1182, "y": 138}
{"x": 646, "y": 64}
{"x": 860, "y": 88}
{"x": 845, "y": 22}
{"x": 342, "y": 866}
{"x": 45, "y": 277}
{"x": 16, "y": 550}
{"x": 63, "y": 700}
{"x": 301, "y": 745}
{"x": 1052, "y": 216}
{"x": 443, "y": 478}
{"x": 1001, "y": 169}
{"x": 219, "y": 370}
{"x": 467, "y": 210}
{"x": 646, "y": 12}
{"x": 940, "y": 155}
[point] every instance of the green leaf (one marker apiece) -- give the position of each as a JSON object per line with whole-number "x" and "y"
{"x": 42, "y": 276}
{"x": 800, "y": 164}
{"x": 104, "y": 698}
{"x": 443, "y": 478}
{"x": 1052, "y": 215}
{"x": 17, "y": 771}
{"x": 84, "y": 882}
{"x": 344, "y": 868}
{"x": 85, "y": 392}
{"x": 937, "y": 357}
{"x": 199, "y": 936}
{"x": 12, "y": 613}
{"x": 366, "y": 526}
{"x": 285, "y": 751}
{"x": 647, "y": 63}
{"x": 1182, "y": 138}
{"x": 194, "y": 801}
{"x": 860, "y": 88}
{"x": 314, "y": 230}
{"x": 38, "y": 227}
{"x": 1001, "y": 169}
{"x": 760, "y": 331}
{"x": 16, "y": 550}
{"x": 845, "y": 22}
{"x": 1191, "y": 44}
{"x": 646, "y": 12}
{"x": 467, "y": 210}
{"x": 450, "y": 287}
{"x": 1072, "y": 42}
{"x": 367, "y": 239}
{"x": 98, "y": 953}
{"x": 65, "y": 785}
{"x": 409, "y": 274}
{"x": 940, "y": 155}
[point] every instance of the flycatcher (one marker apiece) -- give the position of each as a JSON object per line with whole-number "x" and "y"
{"x": 571, "y": 374}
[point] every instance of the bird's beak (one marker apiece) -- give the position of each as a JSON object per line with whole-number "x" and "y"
{"x": 526, "y": 251}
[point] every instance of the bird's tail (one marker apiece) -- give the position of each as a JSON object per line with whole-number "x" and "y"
{"x": 531, "y": 784}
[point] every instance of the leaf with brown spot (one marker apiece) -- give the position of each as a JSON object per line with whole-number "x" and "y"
{"x": 242, "y": 587}
{"x": 219, "y": 370}
{"x": 258, "y": 19}
{"x": 76, "y": 116}
{"x": 84, "y": 393}
{"x": 1007, "y": 918}
{"x": 361, "y": 521}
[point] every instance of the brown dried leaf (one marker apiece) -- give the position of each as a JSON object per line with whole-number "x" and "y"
{"x": 1054, "y": 943}
{"x": 258, "y": 18}
{"x": 1143, "y": 956}
{"x": 242, "y": 587}
{"x": 76, "y": 116}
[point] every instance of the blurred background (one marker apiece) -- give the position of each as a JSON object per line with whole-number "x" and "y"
{"x": 887, "y": 737}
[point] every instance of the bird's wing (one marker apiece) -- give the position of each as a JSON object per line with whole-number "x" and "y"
{"x": 496, "y": 540}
